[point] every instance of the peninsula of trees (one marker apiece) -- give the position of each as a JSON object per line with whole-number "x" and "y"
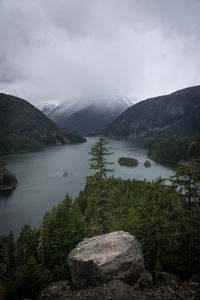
{"x": 8, "y": 181}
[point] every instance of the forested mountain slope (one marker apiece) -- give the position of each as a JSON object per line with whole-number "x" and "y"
{"x": 176, "y": 114}
{"x": 24, "y": 128}
{"x": 174, "y": 150}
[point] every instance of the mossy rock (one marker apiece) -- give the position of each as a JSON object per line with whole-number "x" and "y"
{"x": 127, "y": 161}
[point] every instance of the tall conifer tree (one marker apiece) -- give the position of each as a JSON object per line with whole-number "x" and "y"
{"x": 99, "y": 160}
{"x": 98, "y": 211}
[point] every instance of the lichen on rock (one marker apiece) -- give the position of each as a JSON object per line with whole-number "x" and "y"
{"x": 116, "y": 255}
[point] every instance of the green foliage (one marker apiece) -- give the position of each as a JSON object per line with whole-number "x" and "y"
{"x": 62, "y": 229}
{"x": 19, "y": 143}
{"x": 26, "y": 245}
{"x": 186, "y": 181}
{"x": 7, "y": 179}
{"x": 99, "y": 208}
{"x": 20, "y": 272}
{"x": 151, "y": 221}
{"x": 2, "y": 163}
{"x": 99, "y": 160}
{"x": 156, "y": 213}
{"x": 127, "y": 161}
{"x": 31, "y": 279}
{"x": 97, "y": 214}
{"x": 174, "y": 150}
{"x": 7, "y": 255}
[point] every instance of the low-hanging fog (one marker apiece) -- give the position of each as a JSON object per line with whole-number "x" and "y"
{"x": 52, "y": 51}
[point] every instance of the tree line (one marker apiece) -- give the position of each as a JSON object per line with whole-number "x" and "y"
{"x": 173, "y": 150}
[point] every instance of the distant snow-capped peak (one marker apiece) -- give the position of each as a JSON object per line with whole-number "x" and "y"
{"x": 72, "y": 106}
{"x": 46, "y": 108}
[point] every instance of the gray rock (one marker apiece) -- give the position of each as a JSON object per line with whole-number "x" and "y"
{"x": 116, "y": 255}
{"x": 145, "y": 280}
{"x": 56, "y": 290}
{"x": 166, "y": 279}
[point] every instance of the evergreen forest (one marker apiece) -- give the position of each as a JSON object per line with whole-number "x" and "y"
{"x": 174, "y": 150}
{"x": 164, "y": 217}
{"x": 7, "y": 179}
{"x": 23, "y": 128}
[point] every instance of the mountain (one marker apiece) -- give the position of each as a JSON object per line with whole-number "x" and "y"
{"x": 177, "y": 114}
{"x": 88, "y": 118}
{"x": 46, "y": 108}
{"x": 24, "y": 128}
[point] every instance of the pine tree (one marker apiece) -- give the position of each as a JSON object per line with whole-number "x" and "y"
{"x": 98, "y": 212}
{"x": 62, "y": 230}
{"x": 11, "y": 254}
{"x": 186, "y": 181}
{"x": 7, "y": 256}
{"x": 26, "y": 245}
{"x": 31, "y": 279}
{"x": 99, "y": 160}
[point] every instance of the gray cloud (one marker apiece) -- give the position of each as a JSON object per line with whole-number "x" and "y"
{"x": 57, "y": 50}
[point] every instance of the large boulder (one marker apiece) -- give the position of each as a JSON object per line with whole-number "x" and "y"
{"x": 116, "y": 255}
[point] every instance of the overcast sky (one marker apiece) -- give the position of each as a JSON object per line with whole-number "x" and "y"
{"x": 55, "y": 50}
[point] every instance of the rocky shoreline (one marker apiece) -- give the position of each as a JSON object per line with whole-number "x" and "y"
{"x": 8, "y": 188}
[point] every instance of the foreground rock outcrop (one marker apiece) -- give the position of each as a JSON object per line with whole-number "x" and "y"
{"x": 111, "y": 266}
{"x": 166, "y": 288}
{"x": 97, "y": 260}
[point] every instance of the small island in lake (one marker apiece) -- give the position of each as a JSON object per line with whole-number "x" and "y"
{"x": 127, "y": 161}
{"x": 147, "y": 164}
{"x": 8, "y": 181}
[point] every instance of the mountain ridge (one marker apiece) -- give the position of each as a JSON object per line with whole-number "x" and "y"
{"x": 24, "y": 128}
{"x": 176, "y": 114}
{"x": 87, "y": 117}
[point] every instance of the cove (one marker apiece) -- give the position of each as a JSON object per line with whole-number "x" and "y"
{"x": 42, "y": 186}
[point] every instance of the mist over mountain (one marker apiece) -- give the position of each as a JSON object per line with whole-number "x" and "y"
{"x": 176, "y": 114}
{"x": 87, "y": 117}
{"x": 46, "y": 108}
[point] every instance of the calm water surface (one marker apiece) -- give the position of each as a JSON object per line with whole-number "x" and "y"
{"x": 41, "y": 184}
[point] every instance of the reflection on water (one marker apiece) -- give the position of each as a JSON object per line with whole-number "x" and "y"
{"x": 5, "y": 195}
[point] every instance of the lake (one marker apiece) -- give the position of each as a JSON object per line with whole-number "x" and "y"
{"x": 41, "y": 184}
